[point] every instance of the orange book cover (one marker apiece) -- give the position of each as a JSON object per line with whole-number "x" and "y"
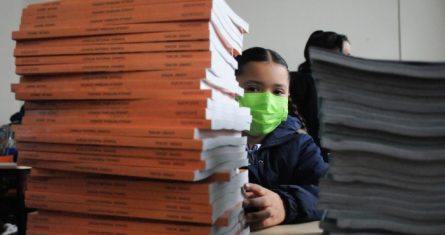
{"x": 114, "y": 48}
{"x": 173, "y": 11}
{"x": 182, "y": 104}
{"x": 109, "y": 29}
{"x": 144, "y": 172}
{"x": 48, "y": 178}
{"x": 118, "y": 202}
{"x": 165, "y": 112}
{"x": 49, "y": 219}
{"x": 179, "y": 192}
{"x": 115, "y": 85}
{"x": 114, "y": 160}
{"x": 121, "y": 151}
{"x": 122, "y": 212}
{"x": 74, "y": 229}
{"x": 149, "y": 122}
{"x": 111, "y": 140}
{"x": 188, "y": 35}
{"x": 110, "y": 94}
{"x": 119, "y": 57}
{"x": 119, "y": 76}
{"x": 141, "y": 131}
{"x": 151, "y": 194}
{"x": 128, "y": 66}
{"x": 44, "y": 8}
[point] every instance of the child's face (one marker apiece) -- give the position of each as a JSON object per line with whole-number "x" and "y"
{"x": 265, "y": 77}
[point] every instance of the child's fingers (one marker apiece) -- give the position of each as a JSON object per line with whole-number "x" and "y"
{"x": 258, "y": 202}
{"x": 248, "y": 195}
{"x": 255, "y": 217}
{"x": 256, "y": 189}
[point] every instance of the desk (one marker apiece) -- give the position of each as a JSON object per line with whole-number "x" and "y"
{"x": 310, "y": 228}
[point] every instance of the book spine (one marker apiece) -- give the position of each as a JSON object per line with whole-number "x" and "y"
{"x": 106, "y": 210}
{"x": 179, "y": 11}
{"x": 122, "y": 76}
{"x": 165, "y": 112}
{"x": 94, "y": 85}
{"x": 113, "y": 58}
{"x": 48, "y": 221}
{"x": 109, "y": 29}
{"x": 150, "y": 194}
{"x": 44, "y": 218}
{"x": 141, "y": 131}
{"x": 117, "y": 202}
{"x": 110, "y": 94}
{"x": 145, "y": 172}
{"x": 46, "y": 8}
{"x": 109, "y": 67}
{"x": 114, "y": 48}
{"x": 80, "y": 180}
{"x": 128, "y": 161}
{"x": 112, "y": 141}
{"x": 75, "y": 229}
{"x": 116, "y": 104}
{"x": 111, "y": 150}
{"x": 116, "y": 39}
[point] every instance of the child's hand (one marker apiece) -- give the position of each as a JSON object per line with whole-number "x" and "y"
{"x": 268, "y": 207}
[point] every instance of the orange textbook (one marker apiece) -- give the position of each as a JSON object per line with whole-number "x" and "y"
{"x": 90, "y": 30}
{"x": 143, "y": 172}
{"x": 187, "y": 35}
{"x": 118, "y": 76}
{"x": 181, "y": 154}
{"x": 114, "y": 48}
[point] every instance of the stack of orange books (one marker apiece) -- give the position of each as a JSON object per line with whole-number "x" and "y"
{"x": 131, "y": 124}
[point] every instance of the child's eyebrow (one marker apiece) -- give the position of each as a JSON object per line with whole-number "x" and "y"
{"x": 255, "y": 82}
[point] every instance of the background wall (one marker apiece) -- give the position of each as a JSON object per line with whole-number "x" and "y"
{"x": 10, "y": 19}
{"x": 382, "y": 29}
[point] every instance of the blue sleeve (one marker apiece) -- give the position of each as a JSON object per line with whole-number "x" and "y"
{"x": 300, "y": 198}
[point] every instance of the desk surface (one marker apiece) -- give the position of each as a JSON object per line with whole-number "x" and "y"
{"x": 302, "y": 229}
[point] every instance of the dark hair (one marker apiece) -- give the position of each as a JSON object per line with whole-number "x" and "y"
{"x": 258, "y": 54}
{"x": 322, "y": 39}
{"x": 16, "y": 118}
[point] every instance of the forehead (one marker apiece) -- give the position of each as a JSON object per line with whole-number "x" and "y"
{"x": 266, "y": 72}
{"x": 346, "y": 48}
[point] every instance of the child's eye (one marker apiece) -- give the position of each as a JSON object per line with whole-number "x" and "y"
{"x": 252, "y": 89}
{"x": 278, "y": 92}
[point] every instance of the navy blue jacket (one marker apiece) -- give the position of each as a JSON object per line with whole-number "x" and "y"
{"x": 289, "y": 163}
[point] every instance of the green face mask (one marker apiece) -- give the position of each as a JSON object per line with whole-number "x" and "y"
{"x": 267, "y": 109}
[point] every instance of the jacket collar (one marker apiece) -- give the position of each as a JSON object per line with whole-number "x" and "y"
{"x": 282, "y": 133}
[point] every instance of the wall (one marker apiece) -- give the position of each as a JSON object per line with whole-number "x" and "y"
{"x": 423, "y": 30}
{"x": 380, "y": 29}
{"x": 10, "y": 14}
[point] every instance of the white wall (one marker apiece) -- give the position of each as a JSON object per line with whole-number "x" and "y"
{"x": 372, "y": 26}
{"x": 10, "y": 18}
{"x": 423, "y": 30}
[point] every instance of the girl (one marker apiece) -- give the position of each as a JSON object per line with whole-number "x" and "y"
{"x": 284, "y": 163}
